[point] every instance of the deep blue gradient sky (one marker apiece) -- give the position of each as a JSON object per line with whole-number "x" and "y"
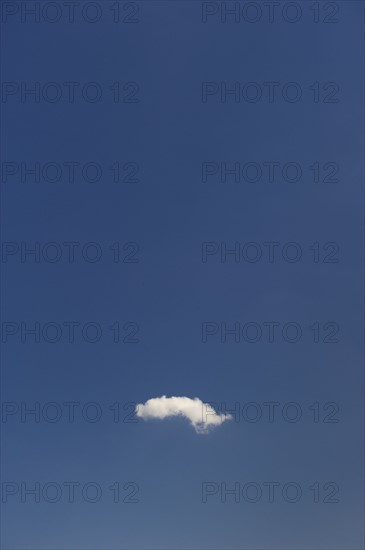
{"x": 170, "y": 291}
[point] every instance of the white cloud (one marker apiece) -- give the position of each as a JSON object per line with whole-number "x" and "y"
{"x": 202, "y": 416}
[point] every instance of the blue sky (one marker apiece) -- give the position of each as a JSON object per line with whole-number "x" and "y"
{"x": 138, "y": 284}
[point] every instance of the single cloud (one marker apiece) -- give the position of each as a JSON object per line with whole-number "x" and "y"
{"x": 202, "y": 416}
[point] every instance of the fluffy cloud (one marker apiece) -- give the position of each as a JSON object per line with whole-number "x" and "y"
{"x": 202, "y": 416}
